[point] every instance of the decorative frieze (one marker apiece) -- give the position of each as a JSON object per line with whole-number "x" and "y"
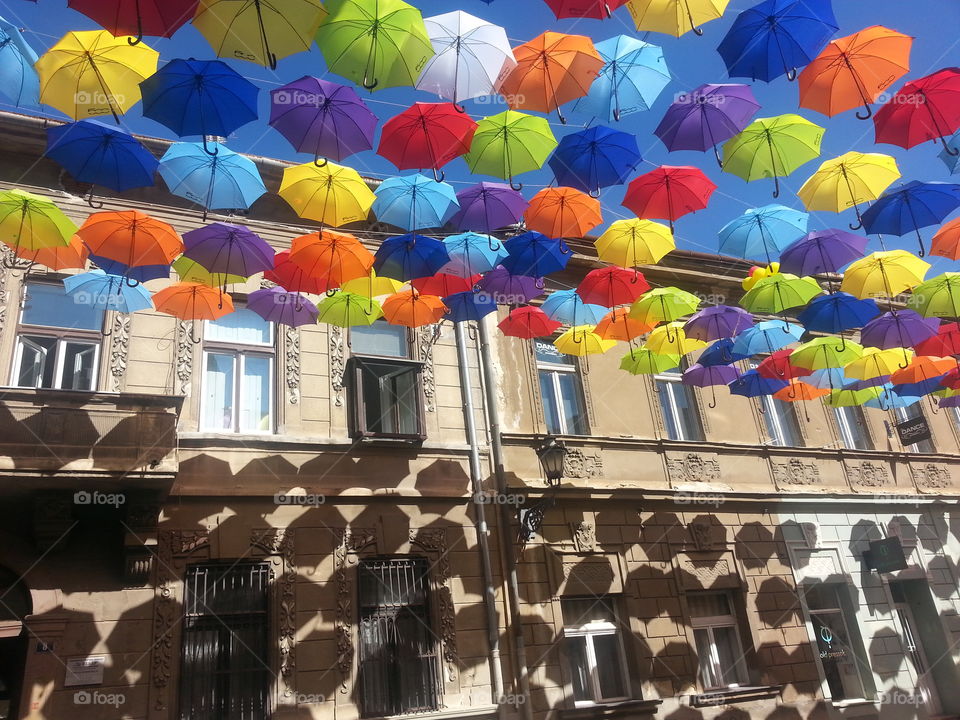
{"x": 931, "y": 476}
{"x": 280, "y": 543}
{"x": 337, "y": 362}
{"x": 580, "y": 464}
{"x": 795, "y": 472}
{"x": 291, "y": 363}
{"x": 428, "y": 337}
{"x": 352, "y": 542}
{"x": 868, "y": 475}
{"x": 584, "y": 536}
{"x": 702, "y": 575}
{"x": 119, "y": 351}
{"x": 691, "y": 468}
{"x": 184, "y": 357}
{"x": 701, "y": 533}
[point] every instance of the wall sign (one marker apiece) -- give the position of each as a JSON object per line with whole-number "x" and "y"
{"x": 886, "y": 555}
{"x": 913, "y": 431}
{"x": 85, "y": 671}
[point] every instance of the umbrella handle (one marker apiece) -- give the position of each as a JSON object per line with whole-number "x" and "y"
{"x": 272, "y": 59}
{"x": 869, "y": 112}
{"x": 697, "y": 31}
{"x": 776, "y": 186}
{"x": 949, "y": 150}
{"x": 791, "y": 74}
{"x": 439, "y": 177}
{"x": 561, "y": 117}
{"x": 139, "y": 37}
{"x": 713, "y": 400}
{"x": 206, "y": 148}
{"x": 594, "y": 193}
{"x": 518, "y": 187}
{"x": 90, "y": 201}
{"x": 131, "y": 282}
{"x": 716, "y": 154}
{"x": 460, "y": 108}
{"x": 370, "y": 85}
{"x": 490, "y": 243}
{"x": 318, "y": 163}
{"x": 858, "y": 225}
{"x": 616, "y": 114}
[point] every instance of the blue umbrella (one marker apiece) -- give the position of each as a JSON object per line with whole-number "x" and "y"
{"x": 414, "y": 202}
{"x": 594, "y": 158}
{"x": 469, "y": 305}
{"x": 535, "y": 255}
{"x": 472, "y": 253}
{"x": 223, "y": 180}
{"x": 18, "y": 80}
{"x": 766, "y": 337}
{"x": 918, "y": 389}
{"x": 110, "y": 292}
{"x": 827, "y": 378}
{"x": 753, "y": 384}
{"x": 889, "y": 400}
{"x": 763, "y": 233}
{"x": 837, "y": 312}
{"x": 776, "y": 37}
{"x": 140, "y": 273}
{"x": 720, "y": 353}
{"x": 950, "y": 153}
{"x": 567, "y": 307}
{"x": 199, "y": 97}
{"x": 408, "y": 257}
{"x": 634, "y": 75}
{"x": 911, "y": 206}
{"x": 880, "y": 380}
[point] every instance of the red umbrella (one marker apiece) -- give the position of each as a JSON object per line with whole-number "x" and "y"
{"x": 598, "y": 9}
{"x": 924, "y": 109}
{"x": 777, "y": 367}
{"x": 668, "y": 193}
{"x": 426, "y": 135}
{"x": 528, "y": 322}
{"x": 292, "y": 277}
{"x": 612, "y": 285}
{"x": 945, "y": 342}
{"x": 443, "y": 284}
{"x": 138, "y": 17}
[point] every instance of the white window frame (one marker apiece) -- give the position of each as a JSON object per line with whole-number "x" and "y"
{"x": 588, "y": 631}
{"x": 845, "y": 426}
{"x": 672, "y": 380}
{"x": 772, "y": 410}
{"x": 709, "y": 623}
{"x": 840, "y": 612}
{"x": 554, "y": 370}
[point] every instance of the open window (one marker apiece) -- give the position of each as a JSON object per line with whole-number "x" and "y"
{"x": 594, "y": 646}
{"x": 717, "y": 637}
{"x": 678, "y": 404}
{"x": 561, "y": 389}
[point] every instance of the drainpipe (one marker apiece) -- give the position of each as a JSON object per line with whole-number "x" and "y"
{"x": 504, "y": 520}
{"x": 479, "y": 507}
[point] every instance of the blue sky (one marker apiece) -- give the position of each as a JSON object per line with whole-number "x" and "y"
{"x": 692, "y": 60}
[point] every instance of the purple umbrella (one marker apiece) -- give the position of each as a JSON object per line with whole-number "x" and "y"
{"x": 710, "y": 376}
{"x": 281, "y": 306}
{"x": 226, "y": 248}
{"x": 321, "y": 117}
{"x": 708, "y": 115}
{"x": 509, "y": 289}
{"x": 878, "y": 381}
{"x": 898, "y": 329}
{"x": 949, "y": 402}
{"x": 822, "y": 251}
{"x": 487, "y": 206}
{"x": 718, "y": 321}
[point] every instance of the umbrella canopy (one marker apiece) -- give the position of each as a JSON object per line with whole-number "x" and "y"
{"x": 675, "y": 17}
{"x": 159, "y": 18}
{"x": 922, "y": 368}
{"x": 844, "y": 397}
{"x": 855, "y": 70}
{"x": 945, "y": 342}
{"x": 347, "y": 309}
{"x": 535, "y": 255}
{"x": 323, "y": 118}
{"x": 950, "y": 153}
{"x": 372, "y": 285}
{"x": 224, "y": 180}
{"x": 191, "y": 271}
{"x": 706, "y": 376}
{"x": 634, "y": 242}
{"x": 331, "y": 257}
{"x": 777, "y": 365}
{"x": 374, "y": 43}
{"x": 609, "y": 286}
{"x": 900, "y": 329}
{"x": 192, "y": 301}
{"x": 847, "y": 181}
{"x": 411, "y": 309}
{"x": 93, "y": 73}
{"x": 780, "y": 292}
{"x": 762, "y": 233}
{"x": 426, "y": 135}
{"x": 799, "y": 391}
{"x": 876, "y": 363}
{"x": 946, "y": 241}
{"x": 101, "y": 155}
{"x": 594, "y": 158}
{"x": 580, "y": 341}
{"x": 837, "y": 312}
{"x": 58, "y": 257}
{"x": 618, "y": 325}
{"x": 471, "y": 253}
{"x": 330, "y": 194}
{"x": 131, "y": 237}
{"x": 938, "y": 297}
{"x": 410, "y": 256}
{"x": 924, "y": 109}
{"x": 563, "y": 212}
{"x": 718, "y": 321}
{"x": 469, "y": 305}
{"x": 887, "y": 400}
{"x": 822, "y": 251}
{"x": 472, "y": 56}
{"x": 292, "y": 277}
{"x": 567, "y": 307}
{"x": 664, "y": 305}
{"x": 753, "y": 384}
{"x": 552, "y": 69}
{"x": 29, "y": 222}
{"x": 772, "y": 147}
{"x": 911, "y": 206}
{"x": 705, "y": 116}
{"x": 598, "y": 9}
{"x": 413, "y": 202}
{"x": 670, "y": 339}
{"x": 19, "y": 81}
{"x": 228, "y": 249}
{"x": 632, "y": 77}
{"x": 260, "y": 32}
{"x": 441, "y": 284}
{"x": 510, "y": 289}
{"x": 643, "y": 361}
{"x": 510, "y": 143}
{"x": 283, "y": 307}
{"x": 884, "y": 273}
{"x": 110, "y": 292}
{"x": 765, "y": 337}
{"x": 825, "y": 352}
{"x": 487, "y": 206}
{"x": 527, "y": 323}
{"x": 720, "y": 352}
{"x": 137, "y": 273}
{"x": 775, "y": 37}
{"x": 668, "y": 192}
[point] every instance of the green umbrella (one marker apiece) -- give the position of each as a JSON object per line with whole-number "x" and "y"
{"x": 780, "y": 291}
{"x": 347, "y": 309}
{"x": 937, "y": 297}
{"x": 643, "y": 361}
{"x": 851, "y": 398}
{"x": 29, "y": 222}
{"x": 772, "y": 147}
{"x": 192, "y": 271}
{"x": 510, "y": 143}
{"x": 663, "y": 305}
{"x": 374, "y": 43}
{"x": 825, "y": 352}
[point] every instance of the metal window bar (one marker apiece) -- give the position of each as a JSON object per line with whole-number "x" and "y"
{"x": 224, "y": 674}
{"x": 399, "y": 663}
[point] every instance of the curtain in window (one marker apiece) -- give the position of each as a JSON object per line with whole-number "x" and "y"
{"x": 218, "y": 392}
{"x": 255, "y": 395}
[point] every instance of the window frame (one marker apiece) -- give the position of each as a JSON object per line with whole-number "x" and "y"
{"x": 664, "y": 380}
{"x": 845, "y": 614}
{"x": 357, "y": 418}
{"x": 710, "y": 623}
{"x": 773, "y": 420}
{"x": 554, "y": 371}
{"x": 844, "y": 424}
{"x": 598, "y": 629}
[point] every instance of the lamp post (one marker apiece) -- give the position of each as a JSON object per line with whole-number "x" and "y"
{"x": 551, "y": 453}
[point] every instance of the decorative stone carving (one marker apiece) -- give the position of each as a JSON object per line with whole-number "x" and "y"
{"x": 811, "y": 534}
{"x": 434, "y": 542}
{"x": 428, "y": 336}
{"x": 280, "y": 542}
{"x": 291, "y": 363}
{"x": 931, "y": 476}
{"x": 337, "y": 362}
{"x": 184, "y": 356}
{"x": 352, "y": 542}
{"x": 579, "y": 464}
{"x": 698, "y": 575}
{"x": 584, "y": 573}
{"x": 692, "y": 467}
{"x": 119, "y": 350}
{"x": 701, "y": 532}
{"x": 868, "y": 475}
{"x": 796, "y": 472}
{"x": 584, "y": 536}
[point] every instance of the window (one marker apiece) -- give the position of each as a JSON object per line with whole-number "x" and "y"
{"x": 385, "y": 384}
{"x": 911, "y": 413}
{"x": 854, "y": 433}
{"x": 58, "y": 340}
{"x": 678, "y": 403}
{"x": 717, "y": 639}
{"x": 238, "y": 362}
{"x": 780, "y": 418}
{"x": 592, "y": 639}
{"x": 223, "y": 673}
{"x": 399, "y": 666}
{"x": 564, "y": 410}
{"x": 840, "y": 652}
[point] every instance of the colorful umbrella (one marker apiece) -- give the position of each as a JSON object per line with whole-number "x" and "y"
{"x": 487, "y": 206}
{"x": 372, "y": 285}
{"x": 753, "y": 384}
{"x": 924, "y": 109}
{"x": 876, "y": 362}
{"x": 562, "y": 212}
{"x": 799, "y": 391}
{"x": 611, "y": 286}
{"x": 946, "y": 241}
{"x": 410, "y": 256}
{"x": 720, "y": 352}
{"x": 632, "y": 77}
{"x": 670, "y": 339}
{"x": 330, "y": 194}
{"x": 331, "y": 257}
{"x": 291, "y": 276}
{"x": 221, "y": 180}
{"x": 664, "y": 305}
{"x": 898, "y": 329}
{"x": 718, "y": 321}
{"x": 822, "y": 251}
{"x": 110, "y": 292}
{"x": 510, "y": 289}
{"x": 598, "y": 9}
{"x": 281, "y": 306}
{"x": 135, "y": 274}
{"x": 945, "y": 342}
{"x": 130, "y": 237}
{"x": 567, "y": 307}
{"x": 777, "y": 365}
{"x": 527, "y": 323}
{"x": 441, "y": 284}
{"x": 765, "y": 337}
{"x": 58, "y": 257}
{"x": 923, "y": 368}
{"x": 347, "y": 309}
{"x": 469, "y": 305}
{"x": 426, "y": 135}
{"x": 884, "y": 273}
{"x": 410, "y": 308}
{"x": 780, "y": 292}
{"x": 709, "y": 376}
{"x": 160, "y": 18}
{"x": 825, "y": 352}
{"x": 192, "y": 301}
{"x": 887, "y": 400}
{"x": 911, "y": 206}
{"x": 618, "y": 325}
{"x": 29, "y": 222}
{"x": 950, "y": 153}
{"x": 18, "y": 79}
{"x": 413, "y": 202}
{"x": 510, "y": 143}
{"x": 837, "y": 312}
{"x": 228, "y": 249}
{"x": 634, "y": 242}
{"x": 191, "y": 271}
{"x": 535, "y": 255}
{"x": 471, "y": 253}
{"x": 643, "y": 361}
{"x": 938, "y": 297}
{"x": 668, "y": 193}
{"x": 847, "y": 181}
{"x": 580, "y": 341}
{"x": 762, "y": 233}
{"x": 845, "y": 397}
{"x": 675, "y": 17}
{"x": 594, "y": 158}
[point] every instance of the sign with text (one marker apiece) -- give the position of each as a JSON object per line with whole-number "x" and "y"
{"x": 913, "y": 431}
{"x": 85, "y": 671}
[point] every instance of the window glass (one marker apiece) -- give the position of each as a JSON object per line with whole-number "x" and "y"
{"x": 594, "y": 650}
{"x": 681, "y": 417}
{"x": 218, "y": 392}
{"x": 853, "y": 428}
{"x": 830, "y": 619}
{"x": 561, "y": 389}
{"x": 390, "y": 395}
{"x": 380, "y": 338}
{"x": 255, "y": 394}
{"x": 783, "y": 427}
{"x": 79, "y": 364}
{"x": 241, "y": 327}
{"x": 715, "y": 633}
{"x": 47, "y": 304}
{"x": 37, "y": 361}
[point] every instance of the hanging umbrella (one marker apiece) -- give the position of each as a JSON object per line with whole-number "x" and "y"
{"x": 950, "y": 153}
{"x": 922, "y": 369}
{"x": 799, "y": 391}
{"x": 668, "y": 193}
{"x": 593, "y": 158}
{"x": 675, "y": 17}
{"x": 938, "y": 297}
{"x": 765, "y": 337}
{"x": 632, "y": 77}
{"x": 643, "y": 361}
{"x": 945, "y": 342}
{"x": 900, "y": 329}
{"x": 753, "y": 384}
{"x": 780, "y": 292}
{"x": 94, "y": 73}
{"x": 888, "y": 400}
{"x": 199, "y": 97}
{"x": 825, "y": 352}
{"x": 775, "y": 37}
{"x": 29, "y": 222}
{"x": 527, "y": 323}
{"x": 762, "y": 233}
{"x": 598, "y": 9}
{"x": 611, "y": 286}
{"x": 191, "y": 271}
{"x": 580, "y": 341}
{"x": 664, "y": 305}
{"x": 487, "y": 206}
{"x": 471, "y": 253}
{"x": 563, "y": 212}
{"x": 911, "y": 206}
{"x": 58, "y": 257}
{"x": 282, "y": 306}
{"x": 131, "y": 237}
{"x": 441, "y": 284}
{"x": 822, "y": 251}
{"x": 535, "y": 255}
{"x": 772, "y": 147}
{"x": 837, "y": 312}
{"x": 192, "y": 302}
{"x": 372, "y": 285}
{"x": 160, "y": 18}
{"x": 19, "y": 81}
{"x": 110, "y": 292}
{"x": 332, "y": 194}
{"x": 471, "y": 58}
{"x": 720, "y": 352}
{"x": 876, "y": 362}
{"x": 374, "y": 43}
{"x": 469, "y": 305}
{"x": 333, "y": 258}
{"x": 222, "y": 180}
{"x": 946, "y": 241}
{"x": 718, "y": 321}
{"x": 510, "y": 289}
{"x": 855, "y": 70}
{"x": 848, "y": 180}
{"x": 634, "y": 242}
{"x": 670, "y": 339}
{"x": 413, "y": 202}
{"x": 292, "y": 277}
{"x": 618, "y": 325}
{"x": 135, "y": 273}
{"x": 567, "y": 307}
{"x": 710, "y": 376}
{"x": 706, "y": 116}
{"x": 322, "y": 118}
{"x": 510, "y": 143}
{"x": 410, "y": 308}
{"x": 884, "y": 273}
{"x": 777, "y": 365}
{"x": 924, "y": 109}
{"x": 426, "y": 135}
{"x": 410, "y": 256}
{"x": 347, "y": 309}
{"x": 844, "y": 397}
{"x": 228, "y": 249}
{"x": 552, "y": 69}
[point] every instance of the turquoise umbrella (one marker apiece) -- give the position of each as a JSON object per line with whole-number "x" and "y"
{"x": 414, "y": 202}
{"x": 18, "y": 80}
{"x": 634, "y": 75}
{"x": 110, "y": 292}
{"x": 763, "y": 233}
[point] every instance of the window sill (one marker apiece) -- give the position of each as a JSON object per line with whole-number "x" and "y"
{"x": 622, "y": 709}
{"x": 481, "y": 711}
{"x": 726, "y": 696}
{"x": 852, "y": 702}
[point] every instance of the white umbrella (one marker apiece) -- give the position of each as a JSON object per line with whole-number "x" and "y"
{"x": 472, "y": 57}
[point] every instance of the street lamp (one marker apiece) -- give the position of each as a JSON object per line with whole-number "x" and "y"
{"x": 552, "y": 454}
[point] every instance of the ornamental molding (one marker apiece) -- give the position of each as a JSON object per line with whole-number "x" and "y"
{"x": 795, "y": 472}
{"x": 119, "y": 351}
{"x": 291, "y": 363}
{"x": 280, "y": 544}
{"x": 580, "y": 464}
{"x": 584, "y": 536}
{"x": 433, "y": 541}
{"x": 701, "y": 533}
{"x": 353, "y": 543}
{"x": 931, "y": 477}
{"x": 428, "y": 337}
{"x": 184, "y": 356}
{"x": 868, "y": 475}
{"x": 700, "y": 575}
{"x": 811, "y": 535}
{"x": 338, "y": 362}
{"x": 692, "y": 468}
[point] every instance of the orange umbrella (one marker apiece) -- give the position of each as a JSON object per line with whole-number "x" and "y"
{"x": 59, "y": 257}
{"x": 552, "y": 69}
{"x": 193, "y": 301}
{"x": 618, "y": 325}
{"x": 946, "y": 242}
{"x": 799, "y": 390}
{"x": 922, "y": 368}
{"x": 855, "y": 70}
{"x": 130, "y": 237}
{"x": 563, "y": 212}
{"x": 412, "y": 309}
{"x": 330, "y": 257}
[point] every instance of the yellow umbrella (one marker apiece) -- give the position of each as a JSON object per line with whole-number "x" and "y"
{"x": 884, "y": 273}
{"x": 372, "y": 285}
{"x": 670, "y": 339}
{"x": 633, "y": 242}
{"x": 191, "y": 271}
{"x": 580, "y": 340}
{"x": 875, "y": 362}
{"x": 847, "y": 181}
{"x": 93, "y": 73}
{"x": 675, "y": 17}
{"x": 331, "y": 194}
